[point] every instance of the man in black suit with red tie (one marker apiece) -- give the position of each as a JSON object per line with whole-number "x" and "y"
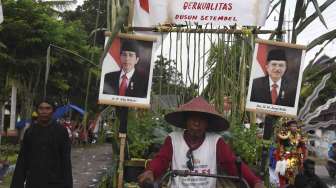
{"x": 274, "y": 88}
{"x": 128, "y": 81}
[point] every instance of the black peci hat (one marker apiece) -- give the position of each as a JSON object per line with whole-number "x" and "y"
{"x": 130, "y": 45}
{"x": 276, "y": 54}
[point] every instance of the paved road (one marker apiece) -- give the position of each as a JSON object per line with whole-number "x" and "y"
{"x": 89, "y": 163}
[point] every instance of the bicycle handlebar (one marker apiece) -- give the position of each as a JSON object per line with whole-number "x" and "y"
{"x": 185, "y": 173}
{"x": 173, "y": 173}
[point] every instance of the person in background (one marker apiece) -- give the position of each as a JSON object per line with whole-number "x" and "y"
{"x": 67, "y": 124}
{"x": 44, "y": 159}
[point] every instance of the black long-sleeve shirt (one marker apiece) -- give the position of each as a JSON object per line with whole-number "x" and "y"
{"x": 44, "y": 160}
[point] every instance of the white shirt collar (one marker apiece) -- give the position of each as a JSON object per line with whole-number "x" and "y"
{"x": 129, "y": 76}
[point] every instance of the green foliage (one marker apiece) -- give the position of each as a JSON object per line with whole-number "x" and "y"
{"x": 139, "y": 132}
{"x": 26, "y": 33}
{"x": 110, "y": 178}
{"x": 6, "y": 182}
{"x": 9, "y": 152}
{"x": 141, "y": 126}
{"x": 245, "y": 143}
{"x": 86, "y": 14}
{"x": 225, "y": 62}
{"x": 166, "y": 78}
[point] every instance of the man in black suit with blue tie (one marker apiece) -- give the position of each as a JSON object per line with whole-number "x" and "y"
{"x": 128, "y": 81}
{"x": 274, "y": 88}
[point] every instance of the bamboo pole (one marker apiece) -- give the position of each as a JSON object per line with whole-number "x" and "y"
{"x": 122, "y": 137}
{"x": 242, "y": 78}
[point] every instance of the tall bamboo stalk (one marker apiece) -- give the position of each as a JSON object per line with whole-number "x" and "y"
{"x": 89, "y": 72}
{"x": 242, "y": 78}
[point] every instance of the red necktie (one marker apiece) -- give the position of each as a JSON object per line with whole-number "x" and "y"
{"x": 123, "y": 85}
{"x": 274, "y": 93}
{"x": 144, "y": 5}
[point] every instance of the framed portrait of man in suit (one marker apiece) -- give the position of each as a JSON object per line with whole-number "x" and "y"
{"x": 275, "y": 79}
{"x": 127, "y": 71}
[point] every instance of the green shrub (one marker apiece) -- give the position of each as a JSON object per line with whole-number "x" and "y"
{"x": 143, "y": 131}
{"x": 245, "y": 143}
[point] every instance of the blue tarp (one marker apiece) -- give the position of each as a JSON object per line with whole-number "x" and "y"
{"x": 22, "y": 123}
{"x": 60, "y": 111}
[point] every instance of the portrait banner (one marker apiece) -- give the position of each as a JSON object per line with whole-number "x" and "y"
{"x": 276, "y": 76}
{"x": 147, "y": 13}
{"x": 127, "y": 69}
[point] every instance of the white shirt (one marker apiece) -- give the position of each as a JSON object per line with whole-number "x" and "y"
{"x": 204, "y": 161}
{"x": 277, "y": 83}
{"x": 129, "y": 76}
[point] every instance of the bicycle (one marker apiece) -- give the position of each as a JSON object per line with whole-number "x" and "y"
{"x": 238, "y": 180}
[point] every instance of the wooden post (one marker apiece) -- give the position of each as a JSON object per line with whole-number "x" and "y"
{"x": 122, "y": 137}
{"x": 268, "y": 131}
{"x": 123, "y": 113}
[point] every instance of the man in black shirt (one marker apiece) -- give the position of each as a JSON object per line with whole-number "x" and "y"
{"x": 44, "y": 159}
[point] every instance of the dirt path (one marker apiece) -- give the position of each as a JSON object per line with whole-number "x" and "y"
{"x": 89, "y": 163}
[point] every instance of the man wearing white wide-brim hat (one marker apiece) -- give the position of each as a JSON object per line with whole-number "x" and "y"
{"x": 198, "y": 148}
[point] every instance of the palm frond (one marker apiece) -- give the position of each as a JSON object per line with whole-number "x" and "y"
{"x": 321, "y": 39}
{"x": 273, "y": 8}
{"x": 319, "y": 13}
{"x": 298, "y": 12}
{"x": 323, "y": 71}
{"x": 312, "y": 17}
{"x": 317, "y": 54}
